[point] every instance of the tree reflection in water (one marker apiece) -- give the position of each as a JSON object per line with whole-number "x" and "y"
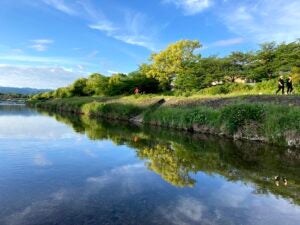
{"x": 176, "y": 156}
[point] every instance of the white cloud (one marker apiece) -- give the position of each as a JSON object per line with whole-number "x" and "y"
{"x": 228, "y": 42}
{"x": 23, "y": 128}
{"x": 41, "y": 160}
{"x": 263, "y": 20}
{"x": 93, "y": 54}
{"x": 103, "y": 26}
{"x": 135, "y": 30}
{"x": 191, "y": 7}
{"x": 37, "y": 77}
{"x": 186, "y": 210}
{"x": 115, "y": 177}
{"x": 61, "y": 6}
{"x": 112, "y": 72}
{"x": 11, "y": 57}
{"x": 41, "y": 44}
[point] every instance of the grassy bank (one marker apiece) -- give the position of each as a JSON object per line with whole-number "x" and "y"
{"x": 271, "y": 119}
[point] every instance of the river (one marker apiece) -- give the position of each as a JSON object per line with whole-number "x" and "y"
{"x": 71, "y": 170}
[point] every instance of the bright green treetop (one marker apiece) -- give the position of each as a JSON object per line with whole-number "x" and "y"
{"x": 171, "y": 61}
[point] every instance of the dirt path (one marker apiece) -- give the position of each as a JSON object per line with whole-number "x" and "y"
{"x": 219, "y": 102}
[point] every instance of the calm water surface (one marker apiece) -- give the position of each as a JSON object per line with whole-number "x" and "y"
{"x": 59, "y": 169}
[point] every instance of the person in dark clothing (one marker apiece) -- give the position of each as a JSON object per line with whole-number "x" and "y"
{"x": 280, "y": 85}
{"x": 289, "y": 85}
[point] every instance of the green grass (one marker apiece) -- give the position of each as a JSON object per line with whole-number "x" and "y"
{"x": 181, "y": 118}
{"x": 276, "y": 122}
{"x": 112, "y": 110}
{"x": 235, "y": 116}
{"x": 271, "y": 123}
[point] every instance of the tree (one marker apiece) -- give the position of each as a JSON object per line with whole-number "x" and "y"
{"x": 287, "y": 56}
{"x": 62, "y": 93}
{"x": 116, "y": 84}
{"x": 167, "y": 64}
{"x": 97, "y": 84}
{"x": 140, "y": 80}
{"x": 78, "y": 88}
{"x": 236, "y": 64}
{"x": 190, "y": 79}
{"x": 263, "y": 65}
{"x": 214, "y": 70}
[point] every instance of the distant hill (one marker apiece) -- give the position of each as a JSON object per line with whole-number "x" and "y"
{"x": 25, "y": 91}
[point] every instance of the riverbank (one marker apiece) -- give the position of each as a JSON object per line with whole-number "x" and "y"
{"x": 270, "y": 119}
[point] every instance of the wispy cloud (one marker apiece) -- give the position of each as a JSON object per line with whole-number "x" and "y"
{"x": 112, "y": 72}
{"x": 186, "y": 210}
{"x": 228, "y": 42}
{"x": 262, "y": 21}
{"x": 102, "y": 26}
{"x": 93, "y": 54}
{"x": 61, "y": 6}
{"x": 41, "y": 44}
{"x": 191, "y": 7}
{"x": 20, "y": 58}
{"x": 41, "y": 160}
{"x": 37, "y": 77}
{"x": 135, "y": 29}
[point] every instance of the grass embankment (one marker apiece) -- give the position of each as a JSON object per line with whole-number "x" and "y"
{"x": 272, "y": 119}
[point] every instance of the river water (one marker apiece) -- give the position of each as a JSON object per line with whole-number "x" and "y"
{"x": 70, "y": 170}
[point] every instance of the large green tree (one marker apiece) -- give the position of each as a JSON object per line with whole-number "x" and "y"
{"x": 78, "y": 88}
{"x": 168, "y": 63}
{"x": 263, "y": 66}
{"x": 214, "y": 70}
{"x": 97, "y": 84}
{"x": 236, "y": 64}
{"x": 191, "y": 78}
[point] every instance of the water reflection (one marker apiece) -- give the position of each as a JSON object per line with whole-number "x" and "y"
{"x": 177, "y": 157}
{"x": 113, "y": 173}
{"x": 7, "y": 109}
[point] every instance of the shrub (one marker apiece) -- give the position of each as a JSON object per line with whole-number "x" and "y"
{"x": 235, "y": 116}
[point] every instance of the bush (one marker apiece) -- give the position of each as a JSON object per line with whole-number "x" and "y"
{"x": 204, "y": 116}
{"x": 235, "y": 116}
{"x": 227, "y": 88}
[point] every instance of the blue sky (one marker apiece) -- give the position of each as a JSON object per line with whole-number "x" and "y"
{"x": 49, "y": 43}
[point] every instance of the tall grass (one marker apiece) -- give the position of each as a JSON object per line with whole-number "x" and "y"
{"x": 112, "y": 110}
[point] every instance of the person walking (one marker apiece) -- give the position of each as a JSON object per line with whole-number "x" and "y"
{"x": 280, "y": 85}
{"x": 289, "y": 85}
{"x": 136, "y": 90}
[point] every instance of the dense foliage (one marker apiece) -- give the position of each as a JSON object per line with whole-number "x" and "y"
{"x": 178, "y": 68}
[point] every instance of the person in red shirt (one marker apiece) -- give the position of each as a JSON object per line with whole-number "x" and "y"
{"x": 136, "y": 90}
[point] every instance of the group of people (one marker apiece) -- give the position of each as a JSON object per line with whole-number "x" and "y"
{"x": 282, "y": 84}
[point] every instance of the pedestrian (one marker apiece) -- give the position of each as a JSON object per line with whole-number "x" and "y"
{"x": 289, "y": 85}
{"x": 280, "y": 85}
{"x": 136, "y": 90}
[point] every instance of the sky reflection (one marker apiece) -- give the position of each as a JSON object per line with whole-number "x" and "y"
{"x": 51, "y": 175}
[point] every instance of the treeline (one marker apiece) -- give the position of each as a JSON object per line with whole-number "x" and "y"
{"x": 178, "y": 68}
{"x": 6, "y": 96}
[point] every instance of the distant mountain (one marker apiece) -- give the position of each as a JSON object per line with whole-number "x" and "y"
{"x": 25, "y": 91}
